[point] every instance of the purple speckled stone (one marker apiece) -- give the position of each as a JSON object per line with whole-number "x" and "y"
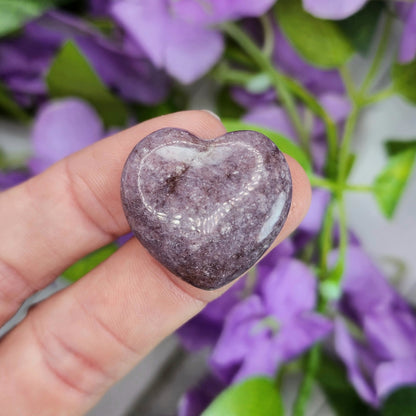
{"x": 206, "y": 209}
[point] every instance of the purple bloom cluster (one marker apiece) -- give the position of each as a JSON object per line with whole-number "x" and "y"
{"x": 25, "y": 60}
{"x": 180, "y": 36}
{"x": 258, "y": 326}
{"x": 376, "y": 333}
{"x": 272, "y": 326}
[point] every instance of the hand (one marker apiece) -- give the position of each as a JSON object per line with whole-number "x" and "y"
{"x": 72, "y": 347}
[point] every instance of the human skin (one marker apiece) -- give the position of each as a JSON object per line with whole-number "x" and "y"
{"x": 72, "y": 347}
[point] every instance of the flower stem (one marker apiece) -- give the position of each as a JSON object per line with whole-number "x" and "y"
{"x": 326, "y": 239}
{"x": 330, "y": 126}
{"x": 268, "y": 42}
{"x": 277, "y": 79}
{"x": 285, "y": 86}
{"x": 359, "y": 188}
{"x": 378, "y": 57}
{"x": 344, "y": 150}
{"x": 305, "y": 389}
{"x": 379, "y": 96}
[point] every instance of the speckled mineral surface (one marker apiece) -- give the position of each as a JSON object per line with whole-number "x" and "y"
{"x": 206, "y": 209}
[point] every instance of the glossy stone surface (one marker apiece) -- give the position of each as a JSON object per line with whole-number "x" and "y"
{"x": 206, "y": 209}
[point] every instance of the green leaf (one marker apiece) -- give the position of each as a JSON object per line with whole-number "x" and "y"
{"x": 72, "y": 75}
{"x": 393, "y": 147}
{"x": 361, "y": 27}
{"x": 8, "y": 105}
{"x": 15, "y": 13}
{"x": 226, "y": 107}
{"x": 256, "y": 396}
{"x": 284, "y": 144}
{"x": 89, "y": 262}
{"x": 391, "y": 182}
{"x": 332, "y": 379}
{"x": 401, "y": 402}
{"x": 321, "y": 42}
{"x": 404, "y": 80}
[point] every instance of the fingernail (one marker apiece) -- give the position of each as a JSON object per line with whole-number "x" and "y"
{"x": 212, "y": 113}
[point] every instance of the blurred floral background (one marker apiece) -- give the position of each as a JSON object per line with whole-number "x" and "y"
{"x": 304, "y": 72}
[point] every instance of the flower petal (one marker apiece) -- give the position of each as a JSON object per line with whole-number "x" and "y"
{"x": 272, "y": 117}
{"x": 12, "y": 178}
{"x": 334, "y": 10}
{"x": 407, "y": 51}
{"x": 196, "y": 400}
{"x": 61, "y": 128}
{"x": 204, "y": 329}
{"x": 146, "y": 22}
{"x": 318, "y": 81}
{"x": 395, "y": 374}
{"x": 238, "y": 335}
{"x": 289, "y": 290}
{"x": 313, "y": 220}
{"x": 300, "y": 334}
{"x": 346, "y": 349}
{"x": 364, "y": 287}
{"x": 191, "y": 50}
{"x": 391, "y": 333}
{"x": 217, "y": 11}
{"x": 262, "y": 359}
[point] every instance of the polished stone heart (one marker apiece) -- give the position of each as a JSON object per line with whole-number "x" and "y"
{"x": 206, "y": 209}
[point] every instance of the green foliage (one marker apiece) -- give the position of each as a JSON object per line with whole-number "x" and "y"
{"x": 321, "y": 42}
{"x": 401, "y": 402}
{"x": 342, "y": 397}
{"x": 89, "y": 262}
{"x": 404, "y": 80}
{"x": 256, "y": 396}
{"x": 284, "y": 144}
{"x": 226, "y": 106}
{"x": 8, "y": 105}
{"x": 15, "y": 13}
{"x": 72, "y": 75}
{"x": 391, "y": 181}
{"x": 361, "y": 26}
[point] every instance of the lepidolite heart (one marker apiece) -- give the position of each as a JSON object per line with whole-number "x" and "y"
{"x": 206, "y": 209}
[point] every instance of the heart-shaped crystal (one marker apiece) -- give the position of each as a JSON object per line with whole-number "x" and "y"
{"x": 206, "y": 209}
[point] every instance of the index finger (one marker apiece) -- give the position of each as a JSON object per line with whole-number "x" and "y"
{"x": 72, "y": 208}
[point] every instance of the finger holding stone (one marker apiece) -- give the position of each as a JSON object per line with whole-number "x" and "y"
{"x": 72, "y": 208}
{"x": 72, "y": 347}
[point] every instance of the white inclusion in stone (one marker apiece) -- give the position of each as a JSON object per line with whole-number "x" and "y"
{"x": 274, "y": 217}
{"x": 193, "y": 156}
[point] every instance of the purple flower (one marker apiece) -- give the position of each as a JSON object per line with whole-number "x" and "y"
{"x": 25, "y": 59}
{"x": 23, "y": 62}
{"x": 407, "y": 51}
{"x": 177, "y": 35}
{"x": 334, "y": 10}
{"x": 271, "y": 327}
{"x": 196, "y": 400}
{"x": 204, "y": 329}
{"x": 312, "y": 223}
{"x": 318, "y": 81}
{"x": 12, "y": 178}
{"x": 273, "y": 117}
{"x": 130, "y": 74}
{"x": 382, "y": 356}
{"x": 62, "y": 127}
{"x": 99, "y": 7}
